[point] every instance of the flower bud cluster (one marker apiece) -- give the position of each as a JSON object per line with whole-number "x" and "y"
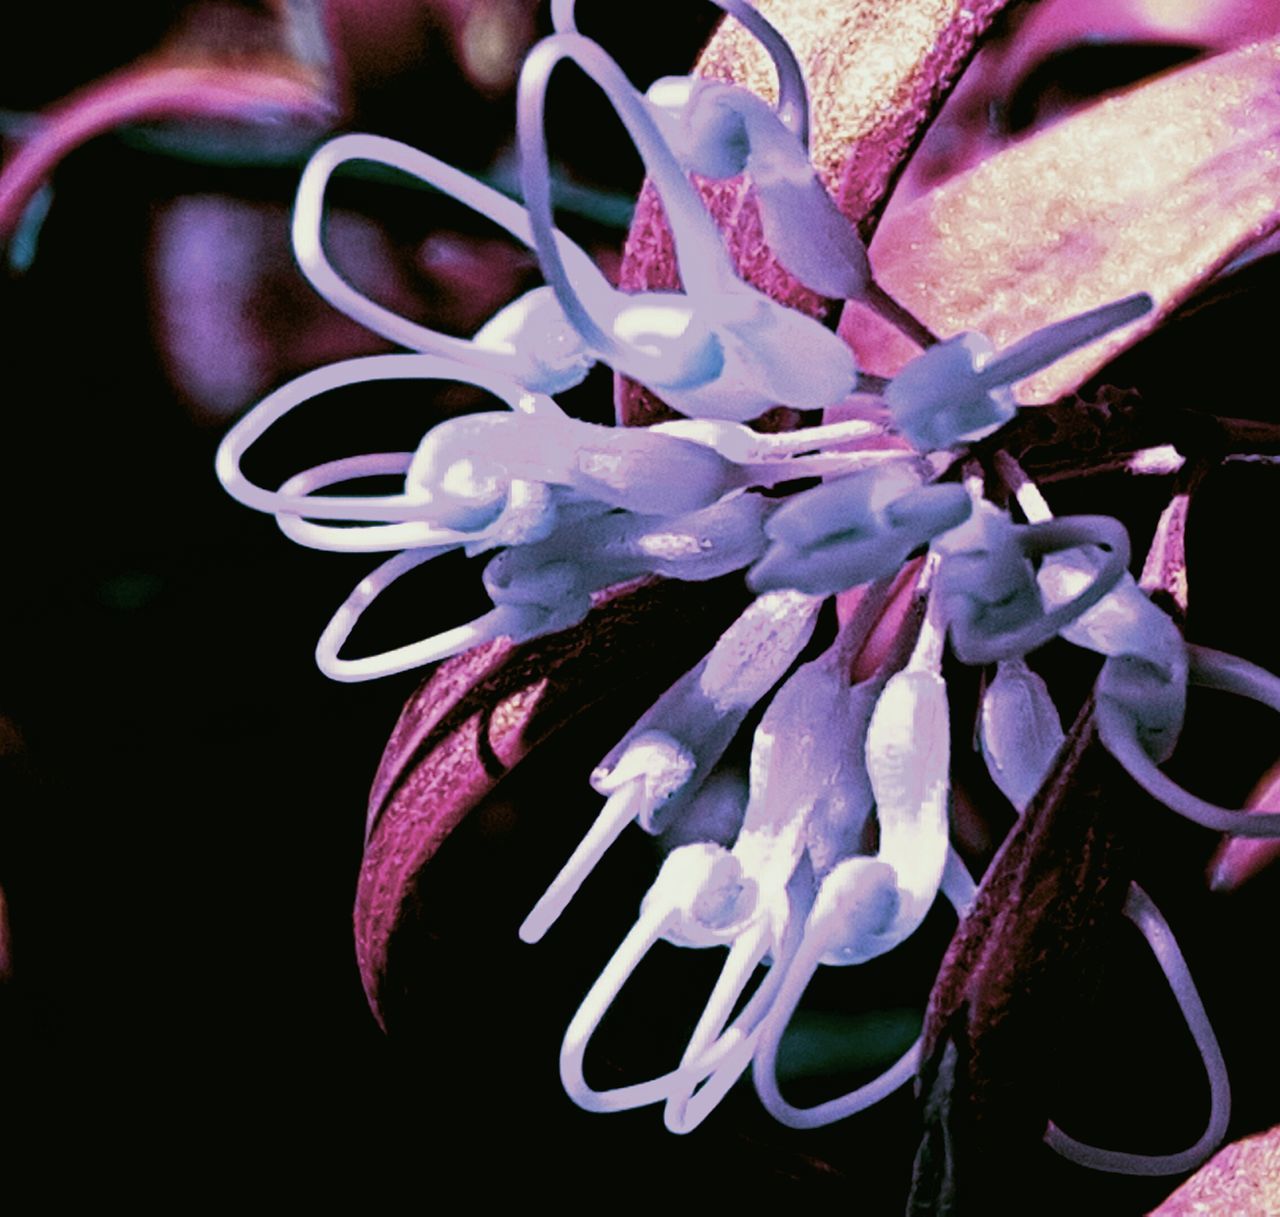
{"x": 570, "y": 508}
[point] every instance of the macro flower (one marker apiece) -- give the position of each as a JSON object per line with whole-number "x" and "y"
{"x": 906, "y": 502}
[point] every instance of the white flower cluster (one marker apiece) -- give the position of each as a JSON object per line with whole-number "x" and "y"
{"x": 778, "y": 873}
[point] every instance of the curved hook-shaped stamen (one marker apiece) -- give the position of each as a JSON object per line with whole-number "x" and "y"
{"x": 807, "y": 774}
{"x": 765, "y": 1065}
{"x": 828, "y": 777}
{"x": 1108, "y": 534}
{"x": 801, "y": 775}
{"x": 856, "y": 894}
{"x": 654, "y": 922}
{"x": 1142, "y": 911}
{"x": 1119, "y": 732}
{"x": 528, "y": 515}
{"x": 697, "y": 717}
{"x": 687, "y": 1108}
{"x": 716, "y": 1057}
{"x": 516, "y": 621}
{"x": 859, "y": 897}
{"x": 545, "y": 586}
{"x": 274, "y": 407}
{"x": 793, "y": 97}
{"x": 1151, "y": 678}
{"x": 376, "y": 538}
{"x": 792, "y": 107}
{"x": 721, "y": 349}
{"x": 985, "y": 629}
{"x": 691, "y": 876}
{"x": 704, "y": 263}
{"x": 545, "y": 354}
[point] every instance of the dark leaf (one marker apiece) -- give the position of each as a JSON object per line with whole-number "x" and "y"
{"x": 477, "y": 716}
{"x": 1012, "y": 977}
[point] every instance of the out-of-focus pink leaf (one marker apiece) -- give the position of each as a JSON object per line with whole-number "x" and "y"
{"x": 154, "y": 91}
{"x": 231, "y": 314}
{"x": 470, "y": 277}
{"x": 490, "y": 39}
{"x": 376, "y": 40}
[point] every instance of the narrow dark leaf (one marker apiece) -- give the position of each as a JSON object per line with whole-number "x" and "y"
{"x": 1013, "y": 976}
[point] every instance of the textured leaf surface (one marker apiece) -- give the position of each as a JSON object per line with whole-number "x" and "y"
{"x": 479, "y": 715}
{"x": 1153, "y": 191}
{"x": 1242, "y": 1180}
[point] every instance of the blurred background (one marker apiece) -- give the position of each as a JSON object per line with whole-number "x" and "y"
{"x": 182, "y": 795}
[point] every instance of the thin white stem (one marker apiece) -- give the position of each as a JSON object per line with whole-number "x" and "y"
{"x": 700, "y": 253}
{"x": 793, "y": 96}
{"x": 739, "y": 443}
{"x": 500, "y": 621}
{"x": 619, "y": 810}
{"x": 347, "y": 372}
{"x": 308, "y": 242}
{"x": 800, "y": 971}
{"x": 1142, "y": 911}
{"x": 657, "y": 917}
{"x": 824, "y": 464}
{"x": 375, "y": 538}
{"x": 1046, "y": 346}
